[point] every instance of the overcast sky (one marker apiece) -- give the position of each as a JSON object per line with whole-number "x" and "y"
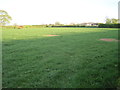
{"x": 35, "y": 12}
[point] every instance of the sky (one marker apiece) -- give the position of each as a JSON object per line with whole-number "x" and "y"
{"x": 36, "y": 12}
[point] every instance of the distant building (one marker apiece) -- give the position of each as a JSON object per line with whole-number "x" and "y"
{"x": 89, "y": 24}
{"x": 72, "y": 24}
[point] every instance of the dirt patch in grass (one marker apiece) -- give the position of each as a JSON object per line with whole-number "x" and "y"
{"x": 109, "y": 40}
{"x": 49, "y": 35}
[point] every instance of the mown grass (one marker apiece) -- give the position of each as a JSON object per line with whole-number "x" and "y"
{"x": 75, "y": 59}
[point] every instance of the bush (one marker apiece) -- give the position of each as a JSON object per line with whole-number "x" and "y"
{"x": 67, "y": 26}
{"x": 83, "y": 26}
{"x": 8, "y": 27}
{"x": 38, "y": 26}
{"x": 109, "y": 26}
{"x": 27, "y": 26}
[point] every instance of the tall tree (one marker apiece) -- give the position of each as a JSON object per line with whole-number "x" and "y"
{"x": 111, "y": 21}
{"x": 114, "y": 21}
{"x": 57, "y": 23}
{"x": 4, "y": 18}
{"x": 108, "y": 21}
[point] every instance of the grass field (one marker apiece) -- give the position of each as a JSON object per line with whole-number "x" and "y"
{"x": 75, "y": 59}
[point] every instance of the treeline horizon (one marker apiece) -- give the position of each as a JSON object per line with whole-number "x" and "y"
{"x": 6, "y": 18}
{"x": 100, "y": 25}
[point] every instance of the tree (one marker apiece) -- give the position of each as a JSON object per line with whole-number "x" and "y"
{"x": 57, "y": 23}
{"x": 4, "y": 18}
{"x": 108, "y": 21}
{"x": 111, "y": 21}
{"x": 114, "y": 21}
{"x": 15, "y": 25}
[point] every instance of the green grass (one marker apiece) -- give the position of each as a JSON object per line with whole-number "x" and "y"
{"x": 75, "y": 59}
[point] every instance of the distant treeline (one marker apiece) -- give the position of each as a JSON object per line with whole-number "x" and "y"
{"x": 75, "y": 26}
{"x": 99, "y": 26}
{"x": 41, "y": 26}
{"x": 65, "y": 26}
{"x": 23, "y": 26}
